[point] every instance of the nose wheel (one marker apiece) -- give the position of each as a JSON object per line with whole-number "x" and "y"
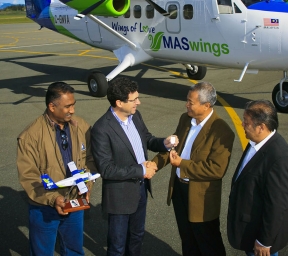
{"x": 195, "y": 72}
{"x": 97, "y": 84}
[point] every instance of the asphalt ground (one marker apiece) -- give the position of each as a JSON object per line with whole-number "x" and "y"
{"x": 31, "y": 59}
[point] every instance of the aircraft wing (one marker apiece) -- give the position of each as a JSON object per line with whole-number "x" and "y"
{"x": 77, "y": 177}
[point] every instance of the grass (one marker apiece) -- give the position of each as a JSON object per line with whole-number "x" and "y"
{"x": 13, "y": 17}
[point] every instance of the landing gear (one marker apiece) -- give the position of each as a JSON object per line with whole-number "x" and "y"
{"x": 195, "y": 72}
{"x": 281, "y": 103}
{"x": 97, "y": 84}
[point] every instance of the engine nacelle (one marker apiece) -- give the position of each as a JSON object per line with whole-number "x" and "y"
{"x": 102, "y": 7}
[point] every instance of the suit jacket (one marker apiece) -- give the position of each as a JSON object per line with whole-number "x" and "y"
{"x": 209, "y": 159}
{"x": 117, "y": 163}
{"x": 258, "y": 202}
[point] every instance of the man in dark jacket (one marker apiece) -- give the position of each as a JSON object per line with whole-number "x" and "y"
{"x": 120, "y": 141}
{"x": 258, "y": 202}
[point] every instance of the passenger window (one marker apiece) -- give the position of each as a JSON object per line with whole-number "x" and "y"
{"x": 127, "y": 14}
{"x": 172, "y": 9}
{"x": 188, "y": 11}
{"x": 149, "y": 12}
{"x": 137, "y": 11}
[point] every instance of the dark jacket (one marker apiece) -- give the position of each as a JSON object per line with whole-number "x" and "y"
{"x": 258, "y": 202}
{"x": 117, "y": 163}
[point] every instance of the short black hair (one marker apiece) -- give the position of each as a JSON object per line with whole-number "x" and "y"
{"x": 262, "y": 112}
{"x": 119, "y": 89}
{"x": 55, "y": 90}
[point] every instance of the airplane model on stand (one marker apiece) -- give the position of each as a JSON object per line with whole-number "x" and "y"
{"x": 79, "y": 177}
{"x": 250, "y": 35}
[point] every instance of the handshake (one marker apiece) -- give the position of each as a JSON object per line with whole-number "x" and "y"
{"x": 170, "y": 143}
{"x": 151, "y": 169}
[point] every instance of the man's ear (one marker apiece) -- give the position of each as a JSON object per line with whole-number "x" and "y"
{"x": 119, "y": 103}
{"x": 207, "y": 105}
{"x": 51, "y": 107}
{"x": 263, "y": 127}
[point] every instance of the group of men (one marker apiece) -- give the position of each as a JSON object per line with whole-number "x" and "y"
{"x": 199, "y": 152}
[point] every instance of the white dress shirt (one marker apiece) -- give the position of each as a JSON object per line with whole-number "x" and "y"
{"x": 194, "y": 131}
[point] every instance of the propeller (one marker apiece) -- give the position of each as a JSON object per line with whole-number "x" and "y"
{"x": 158, "y": 8}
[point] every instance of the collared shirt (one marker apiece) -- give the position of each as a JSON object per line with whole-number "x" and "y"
{"x": 67, "y": 153}
{"x": 133, "y": 136}
{"x": 194, "y": 131}
{"x": 252, "y": 151}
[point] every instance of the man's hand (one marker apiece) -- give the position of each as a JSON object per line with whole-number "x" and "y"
{"x": 59, "y": 205}
{"x": 87, "y": 197}
{"x": 174, "y": 140}
{"x": 151, "y": 169}
{"x": 175, "y": 160}
{"x": 261, "y": 250}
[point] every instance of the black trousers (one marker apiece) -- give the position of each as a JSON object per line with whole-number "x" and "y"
{"x": 198, "y": 238}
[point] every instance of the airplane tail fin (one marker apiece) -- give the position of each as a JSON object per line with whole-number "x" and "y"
{"x": 47, "y": 182}
{"x": 38, "y": 11}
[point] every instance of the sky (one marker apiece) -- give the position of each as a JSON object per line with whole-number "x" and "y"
{"x": 12, "y": 1}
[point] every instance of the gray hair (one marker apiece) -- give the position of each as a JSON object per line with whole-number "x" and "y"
{"x": 206, "y": 93}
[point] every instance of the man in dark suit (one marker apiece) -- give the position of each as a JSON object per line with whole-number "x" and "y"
{"x": 258, "y": 203}
{"x": 205, "y": 145}
{"x": 120, "y": 141}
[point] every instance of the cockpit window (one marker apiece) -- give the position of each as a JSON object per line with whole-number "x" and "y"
{"x": 237, "y": 9}
{"x": 225, "y": 6}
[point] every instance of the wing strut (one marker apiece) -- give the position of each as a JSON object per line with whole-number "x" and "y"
{"x": 243, "y": 73}
{"x": 104, "y": 25}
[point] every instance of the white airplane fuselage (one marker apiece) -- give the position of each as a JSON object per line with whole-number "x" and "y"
{"x": 209, "y": 38}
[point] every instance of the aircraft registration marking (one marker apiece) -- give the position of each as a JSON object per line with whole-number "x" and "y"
{"x": 61, "y": 19}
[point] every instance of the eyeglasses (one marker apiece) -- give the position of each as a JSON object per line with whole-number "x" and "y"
{"x": 64, "y": 139}
{"x": 134, "y": 100}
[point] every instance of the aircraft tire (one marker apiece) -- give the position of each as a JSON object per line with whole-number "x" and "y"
{"x": 200, "y": 74}
{"x": 97, "y": 84}
{"x": 281, "y": 105}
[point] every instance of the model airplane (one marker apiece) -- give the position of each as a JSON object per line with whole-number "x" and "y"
{"x": 250, "y": 35}
{"x": 78, "y": 178}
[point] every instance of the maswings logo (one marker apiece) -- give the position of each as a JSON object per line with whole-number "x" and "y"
{"x": 184, "y": 44}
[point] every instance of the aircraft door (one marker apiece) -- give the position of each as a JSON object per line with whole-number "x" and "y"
{"x": 231, "y": 22}
{"x": 93, "y": 30}
{"x": 173, "y": 21}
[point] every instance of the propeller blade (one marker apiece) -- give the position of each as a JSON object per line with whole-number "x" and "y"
{"x": 158, "y": 8}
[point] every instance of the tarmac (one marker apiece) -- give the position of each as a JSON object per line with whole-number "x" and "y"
{"x": 31, "y": 59}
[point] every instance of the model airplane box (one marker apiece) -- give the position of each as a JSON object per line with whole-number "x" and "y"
{"x": 76, "y": 205}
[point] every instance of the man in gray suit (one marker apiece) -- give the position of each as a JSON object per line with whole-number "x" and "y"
{"x": 120, "y": 141}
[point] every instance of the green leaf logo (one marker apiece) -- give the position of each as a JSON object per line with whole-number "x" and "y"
{"x": 156, "y": 41}
{"x": 145, "y": 28}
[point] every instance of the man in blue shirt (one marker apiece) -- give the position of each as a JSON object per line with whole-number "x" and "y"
{"x": 120, "y": 141}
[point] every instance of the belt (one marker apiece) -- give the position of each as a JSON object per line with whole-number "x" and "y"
{"x": 183, "y": 181}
